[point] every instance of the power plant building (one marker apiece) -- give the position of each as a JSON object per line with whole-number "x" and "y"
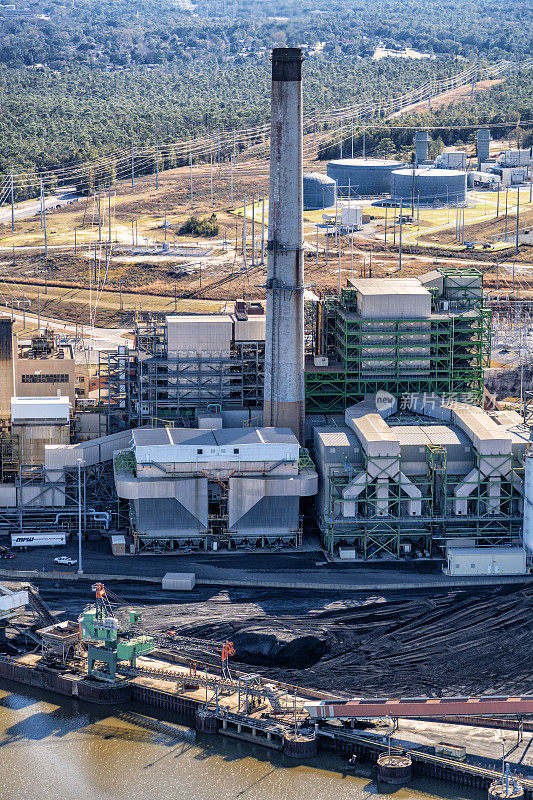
{"x": 429, "y": 186}
{"x": 359, "y": 176}
{"x": 400, "y": 480}
{"x": 405, "y": 335}
{"x": 202, "y": 489}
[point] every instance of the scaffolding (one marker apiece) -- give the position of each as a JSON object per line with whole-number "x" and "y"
{"x": 444, "y": 354}
{"x": 175, "y": 388}
{"x": 150, "y": 385}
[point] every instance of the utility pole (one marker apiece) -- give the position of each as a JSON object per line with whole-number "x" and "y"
{"x": 244, "y": 234}
{"x": 132, "y": 166}
{"x": 80, "y": 564}
{"x": 386, "y": 209}
{"x": 352, "y": 137}
{"x": 364, "y": 142}
{"x": 400, "y": 243}
{"x": 253, "y": 230}
{"x": 75, "y": 242}
{"x": 192, "y": 192}
{"x": 506, "y": 201}
{"x": 231, "y": 178}
{"x": 99, "y": 215}
{"x": 211, "y": 180}
{"x": 263, "y": 231}
{"x": 38, "y": 310}
{"x": 44, "y": 229}
{"x": 12, "y": 202}
{"x": 42, "y": 201}
{"x": 517, "y": 216}
{"x": 109, "y": 214}
{"x": 156, "y": 167}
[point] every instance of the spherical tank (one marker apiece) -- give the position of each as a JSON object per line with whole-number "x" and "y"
{"x": 428, "y": 186}
{"x": 319, "y": 191}
{"x": 359, "y": 176}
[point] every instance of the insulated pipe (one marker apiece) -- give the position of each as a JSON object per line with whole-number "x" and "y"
{"x": 284, "y": 394}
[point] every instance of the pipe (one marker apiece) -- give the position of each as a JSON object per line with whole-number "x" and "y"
{"x": 98, "y": 516}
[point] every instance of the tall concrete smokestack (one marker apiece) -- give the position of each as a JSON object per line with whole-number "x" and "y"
{"x": 284, "y": 347}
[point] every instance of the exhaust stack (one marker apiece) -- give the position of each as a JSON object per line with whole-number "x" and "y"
{"x": 284, "y": 404}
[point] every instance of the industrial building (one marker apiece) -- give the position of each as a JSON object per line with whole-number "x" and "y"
{"x": 185, "y": 364}
{"x": 427, "y": 334}
{"x": 428, "y": 186}
{"x": 205, "y": 489}
{"x": 44, "y": 367}
{"x": 209, "y": 419}
{"x": 407, "y": 480}
{"x": 359, "y": 176}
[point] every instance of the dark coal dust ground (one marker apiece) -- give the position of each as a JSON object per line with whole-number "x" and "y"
{"x": 454, "y": 642}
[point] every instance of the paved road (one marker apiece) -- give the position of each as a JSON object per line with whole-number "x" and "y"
{"x": 308, "y": 569}
{"x": 29, "y": 208}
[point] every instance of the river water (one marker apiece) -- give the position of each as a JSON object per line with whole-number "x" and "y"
{"x": 55, "y": 748}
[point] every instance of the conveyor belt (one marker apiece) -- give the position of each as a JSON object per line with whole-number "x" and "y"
{"x": 493, "y": 706}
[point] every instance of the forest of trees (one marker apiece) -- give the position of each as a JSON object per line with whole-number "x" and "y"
{"x": 83, "y": 78}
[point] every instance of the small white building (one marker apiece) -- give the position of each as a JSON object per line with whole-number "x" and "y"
{"x": 485, "y": 561}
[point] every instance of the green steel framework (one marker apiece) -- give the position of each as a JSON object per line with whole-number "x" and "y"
{"x": 451, "y": 351}
{"x": 374, "y": 535}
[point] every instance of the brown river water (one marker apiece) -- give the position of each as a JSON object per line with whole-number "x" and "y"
{"x": 55, "y": 748}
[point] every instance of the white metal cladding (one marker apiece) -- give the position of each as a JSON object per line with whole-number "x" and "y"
{"x": 92, "y": 452}
{"x": 40, "y": 408}
{"x": 527, "y": 535}
{"x": 249, "y": 330}
{"x": 394, "y": 299}
{"x": 227, "y": 445}
{"x": 208, "y": 332}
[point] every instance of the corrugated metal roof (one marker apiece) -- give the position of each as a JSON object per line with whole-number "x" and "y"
{"x": 334, "y": 437}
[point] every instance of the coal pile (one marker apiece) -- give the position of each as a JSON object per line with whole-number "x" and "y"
{"x": 448, "y": 643}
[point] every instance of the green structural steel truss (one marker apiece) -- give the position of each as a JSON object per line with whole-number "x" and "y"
{"x": 444, "y": 354}
{"x": 381, "y": 523}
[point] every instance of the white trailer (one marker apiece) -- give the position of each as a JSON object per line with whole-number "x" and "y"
{"x": 486, "y": 561}
{"x": 38, "y": 539}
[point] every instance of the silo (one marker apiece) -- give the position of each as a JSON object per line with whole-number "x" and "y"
{"x": 6, "y": 370}
{"x": 483, "y": 145}
{"x": 428, "y": 186}
{"x": 359, "y": 176}
{"x": 319, "y": 191}
{"x": 421, "y": 146}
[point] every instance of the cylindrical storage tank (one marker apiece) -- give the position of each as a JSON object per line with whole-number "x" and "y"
{"x": 299, "y": 745}
{"x": 319, "y": 191}
{"x": 506, "y": 788}
{"x": 359, "y": 176}
{"x": 527, "y": 533}
{"x": 394, "y": 769}
{"x": 428, "y": 186}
